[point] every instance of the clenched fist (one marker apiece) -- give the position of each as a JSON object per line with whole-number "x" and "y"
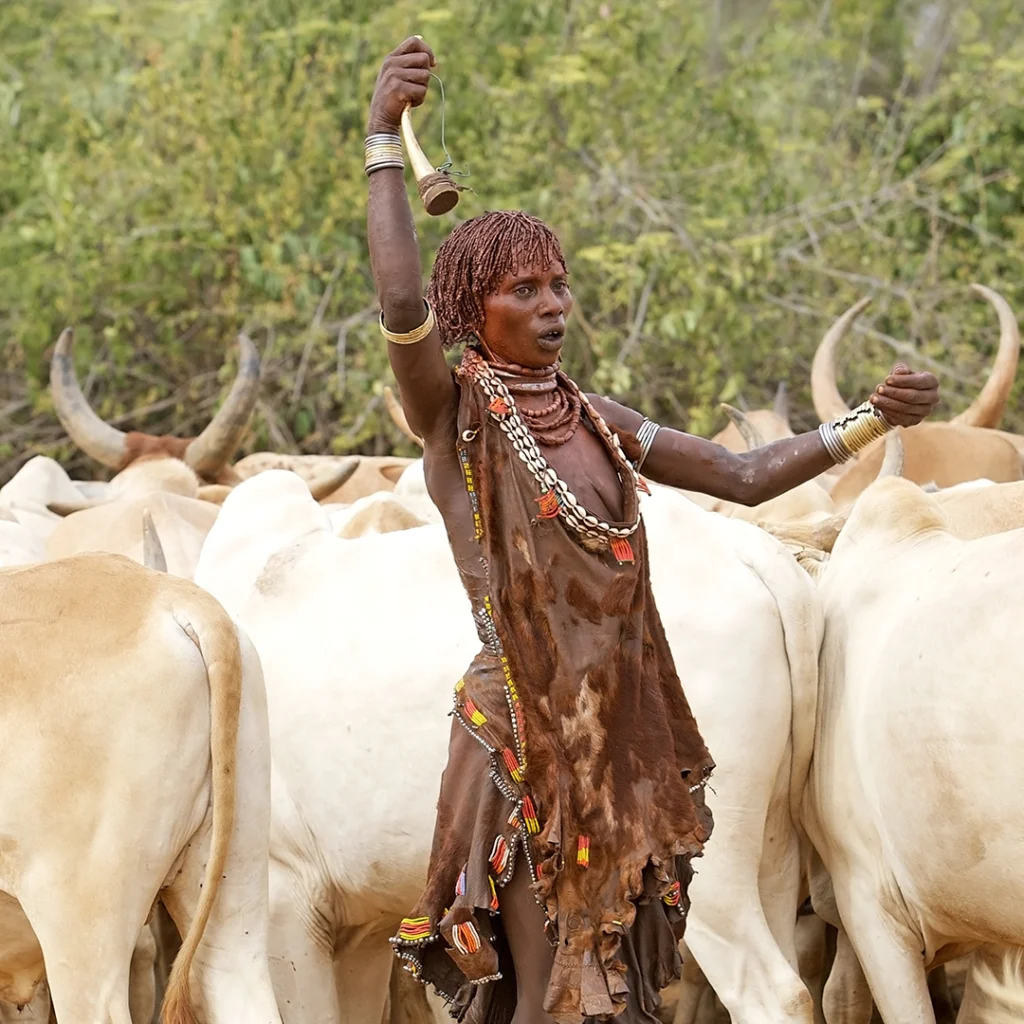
{"x": 905, "y": 398}
{"x": 402, "y": 81}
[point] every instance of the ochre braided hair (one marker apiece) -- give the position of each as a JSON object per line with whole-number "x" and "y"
{"x": 473, "y": 259}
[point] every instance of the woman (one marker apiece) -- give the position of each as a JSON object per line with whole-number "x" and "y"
{"x": 573, "y": 798}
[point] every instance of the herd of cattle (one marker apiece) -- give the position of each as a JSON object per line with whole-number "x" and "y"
{"x": 239, "y": 755}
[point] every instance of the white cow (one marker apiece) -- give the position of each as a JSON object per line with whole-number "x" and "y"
{"x": 136, "y": 768}
{"x": 911, "y": 802}
{"x": 361, "y": 642}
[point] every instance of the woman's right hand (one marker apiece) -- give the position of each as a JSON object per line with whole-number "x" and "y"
{"x": 403, "y": 80}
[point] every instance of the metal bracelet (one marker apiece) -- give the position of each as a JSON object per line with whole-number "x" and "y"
{"x": 410, "y": 337}
{"x": 846, "y": 435}
{"x": 646, "y": 434}
{"x": 381, "y": 165}
{"x": 383, "y": 151}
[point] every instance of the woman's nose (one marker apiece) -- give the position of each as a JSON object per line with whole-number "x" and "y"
{"x": 550, "y": 303}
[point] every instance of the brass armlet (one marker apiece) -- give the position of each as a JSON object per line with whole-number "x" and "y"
{"x": 846, "y": 435}
{"x": 410, "y": 337}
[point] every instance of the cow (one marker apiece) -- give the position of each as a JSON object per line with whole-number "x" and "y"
{"x": 966, "y": 448}
{"x": 181, "y": 481}
{"x": 18, "y": 546}
{"x": 207, "y": 454}
{"x": 908, "y": 803}
{"x": 375, "y": 473}
{"x": 361, "y": 642}
{"x": 140, "y": 773}
{"x": 972, "y": 510}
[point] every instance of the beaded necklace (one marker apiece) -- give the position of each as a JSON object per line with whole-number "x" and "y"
{"x": 553, "y": 424}
{"x": 556, "y": 499}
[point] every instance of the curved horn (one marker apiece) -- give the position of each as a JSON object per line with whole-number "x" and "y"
{"x": 324, "y": 486}
{"x": 987, "y": 409}
{"x": 781, "y": 404}
{"x": 892, "y": 462}
{"x": 215, "y": 494}
{"x": 437, "y": 190}
{"x": 217, "y": 443}
{"x": 828, "y": 402}
{"x": 748, "y": 431}
{"x": 69, "y": 508}
{"x": 397, "y": 413}
{"x": 153, "y": 556}
{"x": 99, "y": 440}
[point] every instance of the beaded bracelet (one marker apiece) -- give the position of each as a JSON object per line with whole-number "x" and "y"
{"x": 846, "y": 435}
{"x": 411, "y": 337}
{"x": 383, "y": 150}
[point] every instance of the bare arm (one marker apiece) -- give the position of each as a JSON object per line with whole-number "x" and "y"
{"x": 424, "y": 380}
{"x": 696, "y": 464}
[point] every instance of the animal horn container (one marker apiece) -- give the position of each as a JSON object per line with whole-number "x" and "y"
{"x": 438, "y": 191}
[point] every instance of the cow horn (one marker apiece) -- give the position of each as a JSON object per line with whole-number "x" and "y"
{"x": 397, "y": 413}
{"x": 781, "y": 404}
{"x": 828, "y": 402}
{"x": 214, "y": 494}
{"x": 325, "y": 485}
{"x": 153, "y": 556}
{"x": 99, "y": 440}
{"x": 69, "y": 508}
{"x": 892, "y": 463}
{"x": 217, "y": 443}
{"x": 750, "y": 434}
{"x": 987, "y": 409}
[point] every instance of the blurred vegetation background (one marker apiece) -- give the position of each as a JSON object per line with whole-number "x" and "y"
{"x": 726, "y": 177}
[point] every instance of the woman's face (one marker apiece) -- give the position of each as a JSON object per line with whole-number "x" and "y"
{"x": 524, "y": 318}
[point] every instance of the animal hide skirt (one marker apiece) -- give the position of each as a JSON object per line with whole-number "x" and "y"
{"x": 485, "y": 831}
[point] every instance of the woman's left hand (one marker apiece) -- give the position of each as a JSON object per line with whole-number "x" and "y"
{"x": 905, "y": 398}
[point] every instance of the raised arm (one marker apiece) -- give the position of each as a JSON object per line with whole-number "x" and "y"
{"x": 425, "y": 383}
{"x": 749, "y": 478}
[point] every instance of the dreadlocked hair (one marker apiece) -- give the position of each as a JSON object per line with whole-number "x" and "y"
{"x": 473, "y": 259}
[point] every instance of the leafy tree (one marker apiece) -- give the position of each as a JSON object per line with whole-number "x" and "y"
{"x": 726, "y": 177}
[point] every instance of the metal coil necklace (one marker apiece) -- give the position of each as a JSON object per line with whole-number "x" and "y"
{"x": 553, "y": 424}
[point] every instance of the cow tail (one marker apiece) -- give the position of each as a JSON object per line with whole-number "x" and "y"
{"x": 996, "y": 997}
{"x": 218, "y": 642}
{"x": 802, "y": 627}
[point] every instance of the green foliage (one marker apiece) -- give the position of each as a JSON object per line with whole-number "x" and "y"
{"x": 726, "y": 176}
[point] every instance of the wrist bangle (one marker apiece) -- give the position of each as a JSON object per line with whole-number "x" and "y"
{"x": 646, "y": 434}
{"x": 382, "y": 150}
{"x": 846, "y": 435}
{"x": 411, "y": 337}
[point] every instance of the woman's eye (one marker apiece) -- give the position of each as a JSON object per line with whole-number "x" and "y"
{"x": 561, "y": 286}
{"x": 523, "y": 290}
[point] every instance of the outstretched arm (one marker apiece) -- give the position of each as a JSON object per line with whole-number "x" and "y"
{"x": 749, "y": 478}
{"x": 424, "y": 380}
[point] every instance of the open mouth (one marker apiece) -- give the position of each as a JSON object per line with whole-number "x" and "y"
{"x": 552, "y": 338}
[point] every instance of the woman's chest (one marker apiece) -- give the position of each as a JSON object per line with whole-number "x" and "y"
{"x": 586, "y": 466}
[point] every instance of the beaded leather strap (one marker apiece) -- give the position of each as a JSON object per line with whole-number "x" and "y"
{"x": 846, "y": 435}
